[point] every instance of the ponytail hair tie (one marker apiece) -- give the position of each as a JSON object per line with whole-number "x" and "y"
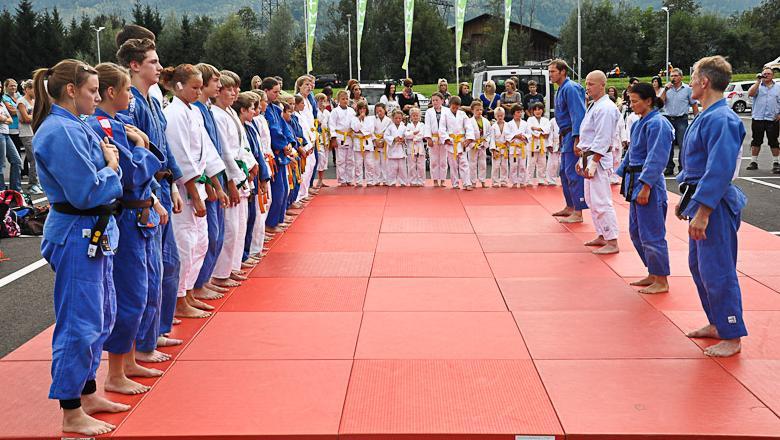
{"x": 50, "y": 71}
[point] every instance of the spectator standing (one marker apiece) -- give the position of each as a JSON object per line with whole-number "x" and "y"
{"x": 444, "y": 89}
{"x": 8, "y": 151}
{"x": 766, "y": 118}
{"x": 626, "y": 100}
{"x": 408, "y": 99}
{"x": 677, "y": 98}
{"x": 10, "y": 100}
{"x": 510, "y": 97}
{"x": 464, "y": 93}
{"x": 25, "y": 111}
{"x": 658, "y": 85}
{"x": 533, "y": 96}
{"x": 490, "y": 100}
{"x": 389, "y": 99}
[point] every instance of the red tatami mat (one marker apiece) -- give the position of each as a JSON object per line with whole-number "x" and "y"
{"x": 434, "y": 314}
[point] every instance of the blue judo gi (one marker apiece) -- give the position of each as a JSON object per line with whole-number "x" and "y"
{"x": 643, "y": 164}
{"x": 569, "y": 111}
{"x": 314, "y": 111}
{"x": 72, "y": 170}
{"x": 281, "y": 136}
{"x": 263, "y": 175}
{"x": 215, "y": 214}
{"x": 136, "y": 263}
{"x": 710, "y": 157}
{"x": 146, "y": 114}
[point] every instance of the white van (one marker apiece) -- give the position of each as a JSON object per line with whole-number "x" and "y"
{"x": 530, "y": 71}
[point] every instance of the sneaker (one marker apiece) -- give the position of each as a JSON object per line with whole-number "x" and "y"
{"x": 752, "y": 166}
{"x": 36, "y": 190}
{"x": 776, "y": 168}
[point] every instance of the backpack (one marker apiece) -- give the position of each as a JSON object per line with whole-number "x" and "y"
{"x": 31, "y": 219}
{"x": 9, "y": 226}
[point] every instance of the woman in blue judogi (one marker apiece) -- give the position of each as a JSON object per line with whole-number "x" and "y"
{"x": 644, "y": 187}
{"x": 81, "y": 177}
{"x": 712, "y": 151}
{"x": 281, "y": 138}
{"x": 245, "y": 107}
{"x": 136, "y": 268}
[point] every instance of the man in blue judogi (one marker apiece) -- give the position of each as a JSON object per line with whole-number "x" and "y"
{"x": 281, "y": 138}
{"x": 712, "y": 149}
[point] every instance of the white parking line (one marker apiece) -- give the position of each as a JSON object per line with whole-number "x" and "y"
{"x": 754, "y": 180}
{"x": 8, "y": 279}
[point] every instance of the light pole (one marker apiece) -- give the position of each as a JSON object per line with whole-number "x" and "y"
{"x": 97, "y": 37}
{"x": 306, "y": 32}
{"x": 349, "y": 36}
{"x": 666, "y": 66}
{"x": 579, "y": 41}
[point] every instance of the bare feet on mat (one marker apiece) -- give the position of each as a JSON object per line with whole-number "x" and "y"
{"x": 646, "y": 281}
{"x": 608, "y": 249}
{"x": 225, "y": 282}
{"x": 165, "y": 341}
{"x": 206, "y": 294}
{"x": 176, "y": 321}
{"x": 151, "y": 357}
{"x": 598, "y": 241}
{"x": 93, "y": 404}
{"x": 725, "y": 348}
{"x": 198, "y": 304}
{"x": 77, "y": 421}
{"x": 215, "y": 288}
{"x": 573, "y": 218}
{"x": 660, "y": 285}
{"x": 132, "y": 369}
{"x": 184, "y": 310}
{"x": 248, "y": 264}
{"x": 123, "y": 385}
{"x": 565, "y": 212}
{"x": 708, "y": 331}
{"x": 238, "y": 276}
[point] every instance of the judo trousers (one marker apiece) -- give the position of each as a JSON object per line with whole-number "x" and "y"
{"x": 459, "y": 169}
{"x": 573, "y": 184}
{"x": 278, "y": 198}
{"x": 553, "y": 167}
{"x": 163, "y": 323}
{"x": 536, "y": 163}
{"x": 499, "y": 170}
{"x": 647, "y": 227}
{"x": 477, "y": 164}
{"x": 345, "y": 164}
{"x": 396, "y": 172}
{"x": 598, "y": 196}
{"x": 215, "y": 216}
{"x": 136, "y": 273}
{"x": 417, "y": 169}
{"x": 517, "y": 174}
{"x": 439, "y": 155}
{"x": 84, "y": 309}
{"x": 193, "y": 241}
{"x": 713, "y": 264}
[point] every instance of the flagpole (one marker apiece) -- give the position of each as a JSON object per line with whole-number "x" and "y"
{"x": 306, "y": 32}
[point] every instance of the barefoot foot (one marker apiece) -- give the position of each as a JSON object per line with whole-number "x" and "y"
{"x": 565, "y": 212}
{"x": 646, "y": 281}
{"x": 93, "y": 404}
{"x": 206, "y": 294}
{"x": 598, "y": 241}
{"x": 225, "y": 283}
{"x": 164, "y": 341}
{"x": 655, "y": 288}
{"x": 726, "y": 348}
{"x": 573, "y": 218}
{"x": 77, "y": 421}
{"x": 708, "y": 331}
{"x": 607, "y": 250}
{"x": 123, "y": 385}
{"x": 199, "y": 304}
{"x": 187, "y": 311}
{"x": 152, "y": 357}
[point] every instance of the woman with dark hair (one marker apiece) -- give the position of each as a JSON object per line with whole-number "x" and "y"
{"x": 626, "y": 99}
{"x": 645, "y": 188}
{"x": 408, "y": 98}
{"x": 464, "y": 93}
{"x": 658, "y": 85}
{"x": 389, "y": 99}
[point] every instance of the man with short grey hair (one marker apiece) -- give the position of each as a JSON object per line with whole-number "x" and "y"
{"x": 766, "y": 118}
{"x": 677, "y": 97}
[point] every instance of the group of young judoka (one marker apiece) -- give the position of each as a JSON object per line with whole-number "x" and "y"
{"x": 383, "y": 149}
{"x": 156, "y": 209}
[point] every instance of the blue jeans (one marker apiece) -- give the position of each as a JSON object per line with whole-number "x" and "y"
{"x": 680, "y": 125}
{"x": 8, "y": 151}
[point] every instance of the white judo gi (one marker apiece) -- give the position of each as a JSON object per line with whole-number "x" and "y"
{"x": 415, "y": 146}
{"x": 396, "y": 154}
{"x": 458, "y": 132}
{"x": 258, "y": 231}
{"x": 366, "y": 161}
{"x": 437, "y": 150}
{"x": 324, "y": 117}
{"x": 519, "y": 135}
{"x": 380, "y": 149}
{"x": 340, "y": 129}
{"x": 499, "y": 149}
{"x": 553, "y": 154}
{"x": 477, "y": 152}
{"x": 536, "y": 160}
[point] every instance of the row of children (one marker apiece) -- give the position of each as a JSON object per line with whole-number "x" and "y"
{"x": 383, "y": 150}
{"x": 155, "y": 211}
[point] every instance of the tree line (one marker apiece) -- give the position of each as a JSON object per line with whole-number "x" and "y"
{"x": 629, "y": 36}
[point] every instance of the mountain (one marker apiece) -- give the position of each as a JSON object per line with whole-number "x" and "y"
{"x": 547, "y": 15}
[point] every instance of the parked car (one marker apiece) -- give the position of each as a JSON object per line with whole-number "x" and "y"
{"x": 327, "y": 79}
{"x": 373, "y": 92}
{"x": 736, "y": 95}
{"x": 530, "y": 71}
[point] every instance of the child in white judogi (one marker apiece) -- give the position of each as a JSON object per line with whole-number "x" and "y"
{"x": 395, "y": 141}
{"x": 518, "y": 147}
{"x": 459, "y": 136}
{"x": 477, "y": 151}
{"x": 499, "y": 149}
{"x": 264, "y": 136}
{"x": 553, "y": 154}
{"x": 306, "y": 120}
{"x": 341, "y": 139}
{"x": 619, "y": 141}
{"x": 363, "y": 145}
{"x": 323, "y": 115}
{"x": 436, "y": 136}
{"x": 540, "y": 132}
{"x": 381, "y": 122}
{"x": 415, "y": 143}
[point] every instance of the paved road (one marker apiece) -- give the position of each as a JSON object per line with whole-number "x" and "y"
{"x": 26, "y": 306}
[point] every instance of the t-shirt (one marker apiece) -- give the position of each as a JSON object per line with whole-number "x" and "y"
{"x": 390, "y": 104}
{"x": 466, "y": 100}
{"x": 25, "y": 130}
{"x": 3, "y": 126}
{"x": 529, "y": 100}
{"x": 404, "y": 101}
{"x": 14, "y": 126}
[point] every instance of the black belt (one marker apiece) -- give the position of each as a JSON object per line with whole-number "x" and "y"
{"x": 164, "y": 175}
{"x": 688, "y": 189}
{"x": 629, "y": 181}
{"x": 97, "y": 236}
{"x": 587, "y": 154}
{"x": 142, "y": 205}
{"x": 677, "y": 117}
{"x": 563, "y": 134}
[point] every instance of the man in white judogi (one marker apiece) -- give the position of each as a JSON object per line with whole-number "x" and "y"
{"x": 596, "y": 135}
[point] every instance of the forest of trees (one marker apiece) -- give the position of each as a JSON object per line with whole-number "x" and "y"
{"x": 630, "y": 36}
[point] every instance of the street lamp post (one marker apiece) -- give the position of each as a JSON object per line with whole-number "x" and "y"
{"x": 349, "y": 36}
{"x": 666, "y": 66}
{"x": 97, "y": 37}
{"x": 579, "y": 41}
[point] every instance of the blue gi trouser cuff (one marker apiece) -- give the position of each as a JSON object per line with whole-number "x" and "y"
{"x": 89, "y": 388}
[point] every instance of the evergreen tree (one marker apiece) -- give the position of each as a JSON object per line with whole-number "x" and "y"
{"x": 21, "y": 48}
{"x": 228, "y": 47}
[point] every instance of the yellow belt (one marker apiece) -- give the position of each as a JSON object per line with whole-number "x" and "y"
{"x": 363, "y": 140}
{"x": 457, "y": 139}
{"x": 380, "y": 144}
{"x": 478, "y": 143}
{"x": 503, "y": 149}
{"x": 521, "y": 146}
{"x": 541, "y": 146}
{"x": 346, "y": 134}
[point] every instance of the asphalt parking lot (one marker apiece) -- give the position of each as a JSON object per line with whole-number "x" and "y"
{"x": 26, "y": 306}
